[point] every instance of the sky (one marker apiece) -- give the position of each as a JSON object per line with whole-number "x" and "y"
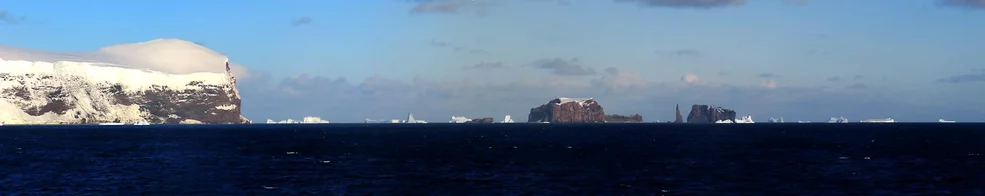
{"x": 346, "y": 61}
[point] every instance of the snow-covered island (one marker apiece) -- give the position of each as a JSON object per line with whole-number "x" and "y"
{"x": 163, "y": 81}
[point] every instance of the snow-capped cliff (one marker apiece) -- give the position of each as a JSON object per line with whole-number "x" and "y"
{"x": 165, "y": 81}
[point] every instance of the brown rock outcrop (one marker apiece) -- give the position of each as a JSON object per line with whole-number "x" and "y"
{"x": 678, "y": 118}
{"x": 709, "y": 114}
{"x": 568, "y": 110}
{"x": 615, "y": 118}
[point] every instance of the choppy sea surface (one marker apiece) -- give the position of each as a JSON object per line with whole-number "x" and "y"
{"x": 495, "y": 159}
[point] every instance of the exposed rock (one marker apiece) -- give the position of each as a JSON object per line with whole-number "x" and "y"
{"x": 709, "y": 114}
{"x": 481, "y": 120}
{"x": 678, "y": 118}
{"x": 568, "y": 110}
{"x": 615, "y": 118}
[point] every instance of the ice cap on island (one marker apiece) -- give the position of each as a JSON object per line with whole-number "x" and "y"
{"x": 174, "y": 56}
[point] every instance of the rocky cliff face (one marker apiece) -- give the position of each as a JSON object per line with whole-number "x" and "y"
{"x": 678, "y": 118}
{"x": 709, "y": 114}
{"x": 615, "y": 118}
{"x": 70, "y": 92}
{"x": 568, "y": 110}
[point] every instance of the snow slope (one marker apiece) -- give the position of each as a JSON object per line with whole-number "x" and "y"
{"x": 581, "y": 101}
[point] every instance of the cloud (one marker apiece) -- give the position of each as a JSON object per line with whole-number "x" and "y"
{"x": 563, "y": 67}
{"x": 459, "y": 49}
{"x": 682, "y": 52}
{"x": 857, "y": 86}
{"x": 302, "y": 21}
{"x": 768, "y": 75}
{"x": 556, "y": 2}
{"x": 614, "y": 79}
{"x": 796, "y": 2}
{"x": 689, "y": 78}
{"x": 470, "y": 51}
{"x": 449, "y": 6}
{"x": 974, "y": 4}
{"x": 963, "y": 78}
{"x": 839, "y": 78}
{"x": 437, "y": 43}
{"x": 7, "y": 18}
{"x": 687, "y": 3}
{"x": 768, "y": 83}
{"x": 173, "y": 56}
{"x": 485, "y": 65}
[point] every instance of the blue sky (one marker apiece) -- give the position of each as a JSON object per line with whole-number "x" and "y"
{"x": 916, "y": 60}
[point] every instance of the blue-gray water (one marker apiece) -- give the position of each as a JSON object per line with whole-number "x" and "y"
{"x": 495, "y": 159}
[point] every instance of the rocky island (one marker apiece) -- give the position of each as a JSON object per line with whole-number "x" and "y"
{"x": 562, "y": 110}
{"x": 677, "y": 114}
{"x": 709, "y": 114}
{"x": 576, "y": 110}
{"x": 615, "y": 118}
{"x": 119, "y": 84}
{"x": 481, "y": 120}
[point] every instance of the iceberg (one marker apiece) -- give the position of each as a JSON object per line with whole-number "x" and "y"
{"x": 744, "y": 119}
{"x": 776, "y": 120}
{"x": 374, "y": 121}
{"x": 507, "y": 119}
{"x": 459, "y": 119}
{"x": 838, "y": 120}
{"x": 305, "y": 120}
{"x": 410, "y": 119}
{"x": 880, "y": 120}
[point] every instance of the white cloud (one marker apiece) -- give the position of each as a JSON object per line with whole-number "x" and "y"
{"x": 616, "y": 79}
{"x": 768, "y": 83}
{"x": 165, "y": 55}
{"x": 689, "y": 78}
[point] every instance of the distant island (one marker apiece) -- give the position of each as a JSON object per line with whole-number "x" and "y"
{"x": 576, "y": 110}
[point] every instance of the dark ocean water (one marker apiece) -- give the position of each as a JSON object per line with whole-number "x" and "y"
{"x": 495, "y": 159}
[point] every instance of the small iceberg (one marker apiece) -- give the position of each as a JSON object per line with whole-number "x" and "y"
{"x": 744, "y": 119}
{"x": 508, "y": 119}
{"x": 776, "y": 120}
{"x": 945, "y": 121}
{"x": 882, "y": 120}
{"x": 459, "y": 119}
{"x": 838, "y": 120}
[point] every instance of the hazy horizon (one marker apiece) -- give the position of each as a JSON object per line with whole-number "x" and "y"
{"x": 346, "y": 61}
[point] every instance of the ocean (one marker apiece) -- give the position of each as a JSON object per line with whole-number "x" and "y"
{"x": 495, "y": 159}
